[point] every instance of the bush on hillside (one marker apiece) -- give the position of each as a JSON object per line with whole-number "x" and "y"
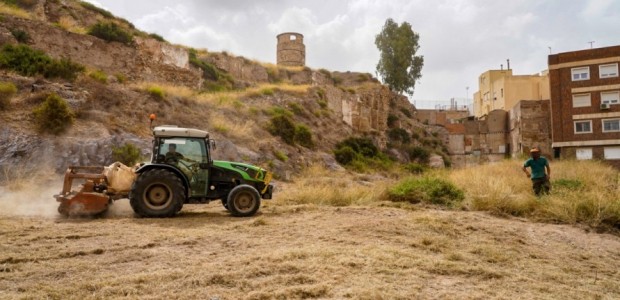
{"x": 345, "y": 155}
{"x": 303, "y": 136}
{"x": 96, "y": 9}
{"x": 391, "y": 120}
{"x": 284, "y": 127}
{"x": 29, "y": 62}
{"x": 208, "y": 70}
{"x": 426, "y": 189}
{"x": 361, "y": 145}
{"x": 21, "y": 36}
{"x": 99, "y": 75}
{"x": 21, "y": 3}
{"x": 406, "y": 112}
{"x": 399, "y": 135}
{"x": 156, "y": 92}
{"x": 7, "y": 91}
{"x": 127, "y": 154}
{"x": 158, "y": 37}
{"x": 419, "y": 154}
{"x": 53, "y": 115}
{"x": 111, "y": 32}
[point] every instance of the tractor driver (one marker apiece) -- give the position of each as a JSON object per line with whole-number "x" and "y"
{"x": 172, "y": 155}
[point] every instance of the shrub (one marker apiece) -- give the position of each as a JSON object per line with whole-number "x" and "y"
{"x": 96, "y": 9}
{"x": 322, "y": 103}
{"x": 20, "y": 35}
{"x": 415, "y": 168}
{"x": 303, "y": 136}
{"x": 208, "y": 70}
{"x": 111, "y": 32}
{"x": 284, "y": 127}
{"x": 156, "y": 92}
{"x": 53, "y": 115}
{"x": 120, "y": 77}
{"x": 419, "y": 154}
{"x": 278, "y": 110}
{"x": 406, "y": 112}
{"x": 399, "y": 134}
{"x": 345, "y": 155}
{"x": 280, "y": 156}
{"x": 267, "y": 92}
{"x": 157, "y": 37}
{"x": 29, "y": 62}
{"x": 426, "y": 189}
{"x": 391, "y": 120}
{"x": 7, "y": 91}
{"x": 127, "y": 154}
{"x": 99, "y": 76}
{"x": 297, "y": 109}
{"x": 21, "y": 3}
{"x": 363, "y": 146}
{"x": 326, "y": 73}
{"x": 337, "y": 80}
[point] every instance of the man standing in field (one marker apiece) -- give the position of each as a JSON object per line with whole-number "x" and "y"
{"x": 538, "y": 164}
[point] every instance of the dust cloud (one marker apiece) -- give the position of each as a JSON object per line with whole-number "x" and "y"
{"x": 30, "y": 198}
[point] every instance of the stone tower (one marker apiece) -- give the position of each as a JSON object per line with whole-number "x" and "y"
{"x": 291, "y": 49}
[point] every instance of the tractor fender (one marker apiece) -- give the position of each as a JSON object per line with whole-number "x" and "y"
{"x": 174, "y": 170}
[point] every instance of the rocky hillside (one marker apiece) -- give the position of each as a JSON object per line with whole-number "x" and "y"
{"x": 123, "y": 74}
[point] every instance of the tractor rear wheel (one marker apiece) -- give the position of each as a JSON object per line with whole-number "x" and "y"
{"x": 157, "y": 193}
{"x": 243, "y": 201}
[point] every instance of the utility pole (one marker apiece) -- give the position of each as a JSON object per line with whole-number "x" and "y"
{"x": 591, "y": 44}
{"x": 550, "y": 50}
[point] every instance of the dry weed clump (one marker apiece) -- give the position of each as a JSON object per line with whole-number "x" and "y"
{"x": 243, "y": 130}
{"x": 319, "y": 186}
{"x": 585, "y": 192}
{"x": 69, "y": 24}
{"x": 14, "y": 11}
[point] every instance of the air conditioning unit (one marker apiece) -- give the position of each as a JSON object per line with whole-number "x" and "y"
{"x": 604, "y": 105}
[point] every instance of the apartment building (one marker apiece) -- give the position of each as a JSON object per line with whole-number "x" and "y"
{"x": 501, "y": 89}
{"x": 585, "y": 104}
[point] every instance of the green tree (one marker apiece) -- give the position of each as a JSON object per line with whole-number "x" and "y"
{"x": 399, "y": 66}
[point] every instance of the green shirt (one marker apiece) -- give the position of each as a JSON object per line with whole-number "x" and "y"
{"x": 538, "y": 166}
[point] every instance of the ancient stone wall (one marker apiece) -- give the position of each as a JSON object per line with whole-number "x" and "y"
{"x": 147, "y": 60}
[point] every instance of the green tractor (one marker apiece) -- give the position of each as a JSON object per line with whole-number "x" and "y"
{"x": 182, "y": 171}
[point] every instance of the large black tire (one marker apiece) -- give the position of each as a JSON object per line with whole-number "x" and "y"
{"x": 157, "y": 193}
{"x": 243, "y": 201}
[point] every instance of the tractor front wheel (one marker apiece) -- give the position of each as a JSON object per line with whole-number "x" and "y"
{"x": 157, "y": 194}
{"x": 243, "y": 201}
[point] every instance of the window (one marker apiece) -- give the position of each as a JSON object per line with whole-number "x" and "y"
{"x": 606, "y": 71}
{"x": 610, "y": 97}
{"x": 582, "y": 73}
{"x": 584, "y": 153}
{"x": 583, "y": 126}
{"x": 611, "y": 125}
{"x": 612, "y": 152}
{"x": 582, "y": 100}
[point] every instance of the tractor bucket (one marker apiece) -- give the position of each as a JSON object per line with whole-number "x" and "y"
{"x": 89, "y": 200}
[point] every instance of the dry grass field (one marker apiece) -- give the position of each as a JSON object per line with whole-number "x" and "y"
{"x": 358, "y": 248}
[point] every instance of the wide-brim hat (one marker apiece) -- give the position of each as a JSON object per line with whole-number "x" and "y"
{"x": 534, "y": 150}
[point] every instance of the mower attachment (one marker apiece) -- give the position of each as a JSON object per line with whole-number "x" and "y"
{"x": 90, "y": 200}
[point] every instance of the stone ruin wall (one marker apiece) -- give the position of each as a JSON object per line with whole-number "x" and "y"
{"x": 291, "y": 50}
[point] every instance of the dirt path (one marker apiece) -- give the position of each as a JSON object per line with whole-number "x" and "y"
{"x": 304, "y": 252}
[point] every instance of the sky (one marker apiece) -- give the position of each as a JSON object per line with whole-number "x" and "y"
{"x": 459, "y": 39}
